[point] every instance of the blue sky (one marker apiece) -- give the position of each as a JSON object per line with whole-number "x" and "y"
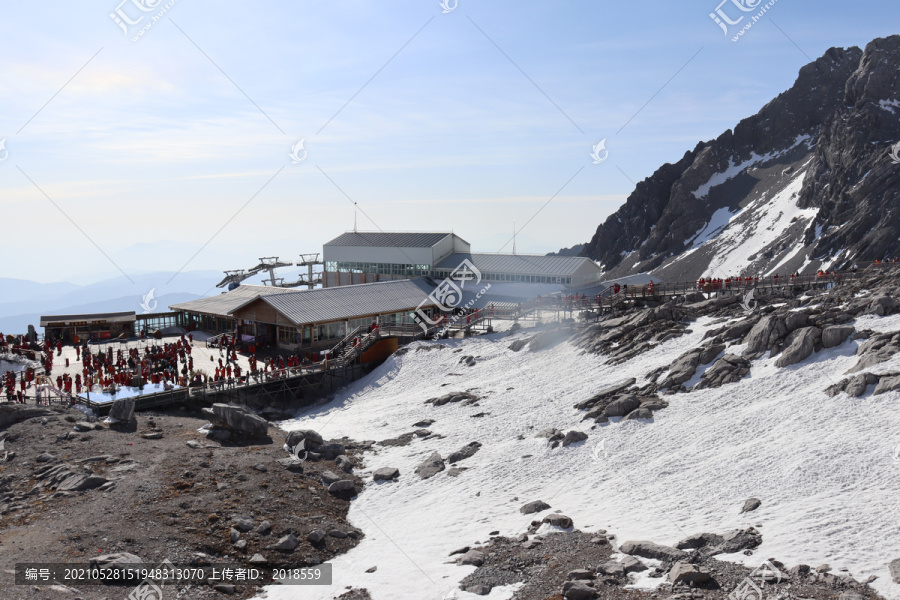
{"x": 177, "y": 145}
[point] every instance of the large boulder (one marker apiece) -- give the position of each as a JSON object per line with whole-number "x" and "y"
{"x": 767, "y": 331}
{"x": 312, "y": 438}
{"x": 836, "y": 335}
{"x": 16, "y": 413}
{"x": 474, "y": 558}
{"x": 558, "y": 520}
{"x": 683, "y": 368}
{"x": 431, "y": 466}
{"x": 800, "y": 345}
{"x": 122, "y": 410}
{"x": 750, "y": 505}
{"x": 688, "y": 574}
{"x": 647, "y": 549}
{"x": 578, "y": 590}
{"x": 241, "y": 420}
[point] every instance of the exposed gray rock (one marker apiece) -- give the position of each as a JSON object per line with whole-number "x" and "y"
{"x": 343, "y": 463}
{"x": 315, "y": 536}
{"x": 474, "y": 558}
{"x": 641, "y": 412}
{"x": 688, "y": 574}
{"x": 621, "y": 406}
{"x": 580, "y": 574}
{"x": 558, "y": 520}
{"x": 313, "y": 439}
{"x": 612, "y": 568}
{"x": 345, "y": 485}
{"x": 431, "y": 466}
{"x": 287, "y": 543}
{"x": 573, "y": 437}
{"x": 386, "y": 474}
{"x": 80, "y": 482}
{"x": 240, "y": 419}
{"x": 765, "y": 334}
{"x": 534, "y": 507}
{"x": 122, "y": 410}
{"x": 329, "y": 477}
{"x": 578, "y": 590}
{"x": 331, "y": 451}
{"x": 800, "y": 346}
{"x": 894, "y": 568}
{"x": 463, "y": 453}
{"x": 836, "y": 335}
{"x": 887, "y": 383}
{"x": 465, "y": 398}
{"x": 750, "y": 505}
{"x": 647, "y": 549}
{"x": 118, "y": 560}
{"x": 243, "y": 523}
{"x": 633, "y": 565}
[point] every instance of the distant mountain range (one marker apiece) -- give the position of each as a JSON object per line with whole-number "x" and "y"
{"x": 811, "y": 181}
{"x": 23, "y": 302}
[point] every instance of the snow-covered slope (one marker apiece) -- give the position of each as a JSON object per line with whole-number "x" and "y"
{"x": 822, "y": 466}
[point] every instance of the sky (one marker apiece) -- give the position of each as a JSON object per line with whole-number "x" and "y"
{"x": 174, "y": 147}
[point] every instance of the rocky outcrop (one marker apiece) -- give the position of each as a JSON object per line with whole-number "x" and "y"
{"x": 827, "y": 138}
{"x": 647, "y": 549}
{"x": 800, "y": 346}
{"x": 238, "y": 419}
{"x": 465, "y": 452}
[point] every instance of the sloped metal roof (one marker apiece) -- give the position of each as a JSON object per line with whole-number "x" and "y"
{"x": 221, "y": 305}
{"x": 388, "y": 239}
{"x": 348, "y": 301}
{"x": 518, "y": 263}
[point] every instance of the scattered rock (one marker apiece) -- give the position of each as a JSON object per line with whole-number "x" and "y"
{"x": 750, "y": 505}
{"x": 558, "y": 520}
{"x": 432, "y": 465}
{"x": 386, "y": 474}
{"x": 573, "y": 437}
{"x": 286, "y": 544}
{"x": 534, "y": 507}
{"x": 688, "y": 574}
{"x": 466, "y": 451}
{"x": 647, "y": 549}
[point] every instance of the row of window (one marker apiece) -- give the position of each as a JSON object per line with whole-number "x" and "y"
{"x": 409, "y": 270}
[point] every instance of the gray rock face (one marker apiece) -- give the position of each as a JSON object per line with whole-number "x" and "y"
{"x": 122, "y": 410}
{"x": 606, "y": 393}
{"x": 894, "y": 568}
{"x": 633, "y": 565}
{"x": 580, "y": 574}
{"x": 622, "y": 406}
{"x": 887, "y": 384}
{"x": 343, "y": 463}
{"x": 683, "y": 368}
{"x": 386, "y": 474}
{"x": 243, "y": 523}
{"x": 688, "y": 574}
{"x": 578, "y": 590}
{"x": 79, "y": 482}
{"x": 836, "y": 335}
{"x": 558, "y": 520}
{"x": 750, "y": 505}
{"x": 573, "y": 437}
{"x": 647, "y": 549}
{"x": 641, "y": 412}
{"x": 287, "y": 543}
{"x": 612, "y": 568}
{"x": 836, "y": 100}
{"x": 728, "y": 369}
{"x": 315, "y": 536}
{"x": 465, "y": 398}
{"x": 474, "y": 558}
{"x": 329, "y": 477}
{"x": 241, "y": 420}
{"x": 345, "y": 485}
{"x": 800, "y": 346}
{"x": 463, "y": 453}
{"x": 84, "y": 426}
{"x": 765, "y": 334}
{"x": 331, "y": 451}
{"x": 432, "y": 465}
{"x": 534, "y": 507}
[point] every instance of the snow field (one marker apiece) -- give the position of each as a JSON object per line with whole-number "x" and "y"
{"x": 822, "y": 466}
